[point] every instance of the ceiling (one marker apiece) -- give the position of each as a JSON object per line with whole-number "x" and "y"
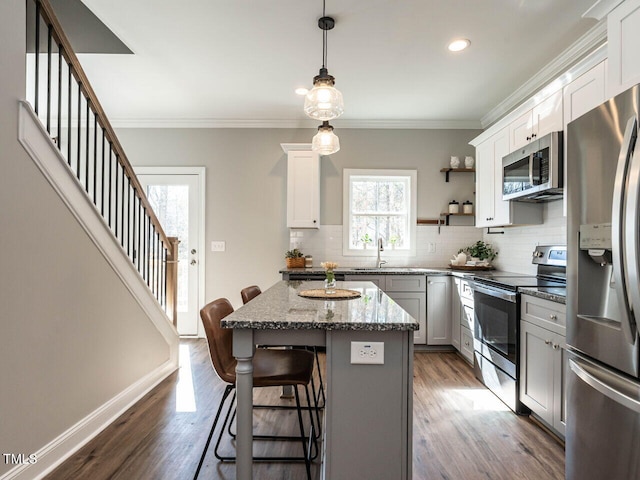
{"x": 238, "y": 62}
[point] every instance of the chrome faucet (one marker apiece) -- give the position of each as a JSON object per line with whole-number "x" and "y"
{"x": 380, "y": 262}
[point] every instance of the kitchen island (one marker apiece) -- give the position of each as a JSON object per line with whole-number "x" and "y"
{"x": 368, "y": 414}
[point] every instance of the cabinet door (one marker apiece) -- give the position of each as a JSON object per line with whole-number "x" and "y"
{"x": 303, "y": 189}
{"x": 520, "y": 131}
{"x": 438, "y": 310}
{"x": 379, "y": 280}
{"x": 466, "y": 344}
{"x": 560, "y": 366}
{"x": 537, "y": 370}
{"x": 502, "y": 208}
{"x": 456, "y": 313}
{"x": 547, "y": 116}
{"x": 484, "y": 183}
{"x": 415, "y": 305}
{"x": 584, "y": 93}
{"x": 623, "y": 38}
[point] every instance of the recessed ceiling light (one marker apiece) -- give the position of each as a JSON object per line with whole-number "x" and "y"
{"x": 459, "y": 44}
{"x": 302, "y": 91}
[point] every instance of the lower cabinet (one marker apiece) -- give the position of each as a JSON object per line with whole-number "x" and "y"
{"x": 542, "y": 361}
{"x": 466, "y": 344}
{"x": 408, "y": 291}
{"x": 462, "y": 317}
{"x": 438, "y": 310}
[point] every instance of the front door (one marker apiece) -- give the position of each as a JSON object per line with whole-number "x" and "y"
{"x": 175, "y": 194}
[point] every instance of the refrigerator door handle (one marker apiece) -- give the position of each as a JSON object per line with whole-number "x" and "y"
{"x": 627, "y": 397}
{"x": 617, "y": 229}
{"x": 631, "y": 238}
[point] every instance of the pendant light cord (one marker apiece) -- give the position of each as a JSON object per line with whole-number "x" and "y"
{"x": 324, "y": 38}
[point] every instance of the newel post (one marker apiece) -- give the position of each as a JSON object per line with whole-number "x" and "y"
{"x": 172, "y": 280}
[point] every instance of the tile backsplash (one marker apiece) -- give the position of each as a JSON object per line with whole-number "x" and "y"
{"x": 514, "y": 246}
{"x": 325, "y": 244}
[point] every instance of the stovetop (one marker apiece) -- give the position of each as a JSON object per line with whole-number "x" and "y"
{"x": 514, "y": 281}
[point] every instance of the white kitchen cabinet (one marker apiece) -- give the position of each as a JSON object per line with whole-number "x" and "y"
{"x": 303, "y": 189}
{"x": 491, "y": 210}
{"x": 542, "y": 360}
{"x": 544, "y": 118}
{"x": 438, "y": 310}
{"x": 456, "y": 314}
{"x": 466, "y": 344}
{"x": 584, "y": 93}
{"x": 408, "y": 291}
{"x": 623, "y": 38}
{"x": 462, "y": 317}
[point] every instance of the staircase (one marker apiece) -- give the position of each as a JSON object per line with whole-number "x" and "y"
{"x": 88, "y": 285}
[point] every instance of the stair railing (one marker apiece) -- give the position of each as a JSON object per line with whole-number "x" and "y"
{"x": 63, "y": 99}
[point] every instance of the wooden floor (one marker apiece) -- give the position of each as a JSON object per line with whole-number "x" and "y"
{"x": 460, "y": 431}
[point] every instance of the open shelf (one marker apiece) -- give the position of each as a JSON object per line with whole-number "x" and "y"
{"x": 446, "y": 216}
{"x": 456, "y": 170}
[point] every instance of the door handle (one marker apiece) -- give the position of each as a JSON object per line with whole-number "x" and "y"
{"x": 193, "y": 262}
{"x": 624, "y": 393}
{"x": 193, "y": 251}
{"x": 618, "y": 229}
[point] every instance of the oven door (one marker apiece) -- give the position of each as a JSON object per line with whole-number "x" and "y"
{"x": 495, "y": 327}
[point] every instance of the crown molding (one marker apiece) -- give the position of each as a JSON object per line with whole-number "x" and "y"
{"x": 344, "y": 123}
{"x": 601, "y": 9}
{"x": 296, "y": 147}
{"x": 596, "y": 37}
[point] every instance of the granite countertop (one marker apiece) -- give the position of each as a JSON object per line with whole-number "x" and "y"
{"x": 554, "y": 294}
{"x": 373, "y": 270}
{"x": 281, "y": 308}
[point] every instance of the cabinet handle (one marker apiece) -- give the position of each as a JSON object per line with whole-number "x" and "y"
{"x": 547, "y": 342}
{"x": 528, "y": 138}
{"x": 556, "y": 346}
{"x": 534, "y": 135}
{"x": 314, "y": 221}
{"x": 553, "y": 317}
{"x": 466, "y": 343}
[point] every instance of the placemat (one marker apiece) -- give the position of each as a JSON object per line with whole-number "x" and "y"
{"x": 320, "y": 293}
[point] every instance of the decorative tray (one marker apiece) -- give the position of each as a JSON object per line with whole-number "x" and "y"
{"x": 320, "y": 293}
{"x": 471, "y": 267}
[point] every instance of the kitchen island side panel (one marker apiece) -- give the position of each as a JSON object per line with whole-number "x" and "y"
{"x": 369, "y": 408}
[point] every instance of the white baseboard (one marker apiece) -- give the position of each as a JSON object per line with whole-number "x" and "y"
{"x": 53, "y": 454}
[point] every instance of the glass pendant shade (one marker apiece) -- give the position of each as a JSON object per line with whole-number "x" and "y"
{"x": 325, "y": 142}
{"x": 324, "y": 101}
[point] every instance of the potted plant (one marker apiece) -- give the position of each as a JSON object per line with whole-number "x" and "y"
{"x": 366, "y": 239}
{"x": 481, "y": 251}
{"x": 294, "y": 258}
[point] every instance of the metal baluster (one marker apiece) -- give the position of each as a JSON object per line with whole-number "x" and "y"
{"x": 164, "y": 276}
{"x": 49, "y": 28}
{"x": 115, "y": 192}
{"x": 86, "y": 168}
{"x": 110, "y": 183}
{"x": 147, "y": 233}
{"x": 122, "y": 210}
{"x": 95, "y": 159}
{"x": 59, "y": 97}
{"x": 37, "y": 57}
{"x": 128, "y": 216}
{"x": 157, "y": 241}
{"x": 79, "y": 126}
{"x": 102, "y": 175}
{"x": 135, "y": 230}
{"x": 70, "y": 79}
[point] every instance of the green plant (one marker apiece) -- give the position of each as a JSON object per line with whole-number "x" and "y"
{"x": 295, "y": 253}
{"x": 366, "y": 239}
{"x": 394, "y": 240}
{"x": 480, "y": 250}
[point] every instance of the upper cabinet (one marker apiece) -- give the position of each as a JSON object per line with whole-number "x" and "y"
{"x": 546, "y": 117}
{"x": 303, "y": 186}
{"x": 623, "y": 36}
{"x": 491, "y": 209}
{"x": 584, "y": 93}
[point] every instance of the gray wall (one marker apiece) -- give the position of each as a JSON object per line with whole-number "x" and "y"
{"x": 246, "y": 185}
{"x": 72, "y": 336}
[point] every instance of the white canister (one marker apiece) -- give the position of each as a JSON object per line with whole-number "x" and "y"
{"x": 468, "y": 162}
{"x": 455, "y": 162}
{"x": 467, "y": 207}
{"x": 454, "y": 207}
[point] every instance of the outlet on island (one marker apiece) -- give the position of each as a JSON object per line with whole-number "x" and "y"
{"x": 367, "y": 353}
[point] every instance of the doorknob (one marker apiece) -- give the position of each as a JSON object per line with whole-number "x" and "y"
{"x": 193, "y": 251}
{"x": 193, "y": 262}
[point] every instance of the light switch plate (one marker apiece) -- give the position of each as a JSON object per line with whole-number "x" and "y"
{"x": 218, "y": 246}
{"x": 367, "y": 353}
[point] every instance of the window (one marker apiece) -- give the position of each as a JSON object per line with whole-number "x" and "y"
{"x": 379, "y": 204}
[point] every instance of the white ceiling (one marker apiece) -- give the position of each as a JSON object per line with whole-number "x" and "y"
{"x": 239, "y": 61}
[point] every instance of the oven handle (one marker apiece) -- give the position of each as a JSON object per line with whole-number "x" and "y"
{"x": 492, "y": 292}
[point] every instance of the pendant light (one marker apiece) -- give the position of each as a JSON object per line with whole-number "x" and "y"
{"x": 325, "y": 142}
{"x": 324, "y": 101}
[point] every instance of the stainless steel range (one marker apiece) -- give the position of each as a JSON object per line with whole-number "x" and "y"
{"x": 497, "y": 321}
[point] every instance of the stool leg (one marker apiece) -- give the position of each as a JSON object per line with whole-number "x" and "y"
{"x": 321, "y": 390}
{"x": 226, "y": 393}
{"x": 307, "y": 461}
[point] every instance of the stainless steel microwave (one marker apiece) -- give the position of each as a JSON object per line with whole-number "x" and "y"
{"x": 534, "y": 173}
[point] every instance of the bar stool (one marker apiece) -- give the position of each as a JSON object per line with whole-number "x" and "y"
{"x": 251, "y": 292}
{"x": 271, "y": 368}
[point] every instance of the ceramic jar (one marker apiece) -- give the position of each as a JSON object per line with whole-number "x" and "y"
{"x": 468, "y": 162}
{"x": 467, "y": 207}
{"x": 455, "y": 162}
{"x": 454, "y": 207}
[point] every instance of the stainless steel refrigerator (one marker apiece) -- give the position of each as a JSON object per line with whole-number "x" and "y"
{"x": 603, "y": 297}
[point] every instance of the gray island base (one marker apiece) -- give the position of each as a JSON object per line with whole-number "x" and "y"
{"x": 368, "y": 414}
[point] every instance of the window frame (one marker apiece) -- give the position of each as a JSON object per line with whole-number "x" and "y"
{"x": 371, "y": 251}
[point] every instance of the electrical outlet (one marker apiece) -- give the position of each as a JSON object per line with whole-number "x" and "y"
{"x": 431, "y": 247}
{"x": 218, "y": 246}
{"x": 367, "y": 352}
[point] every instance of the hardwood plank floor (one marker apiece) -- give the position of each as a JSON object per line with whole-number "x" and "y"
{"x": 460, "y": 431}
